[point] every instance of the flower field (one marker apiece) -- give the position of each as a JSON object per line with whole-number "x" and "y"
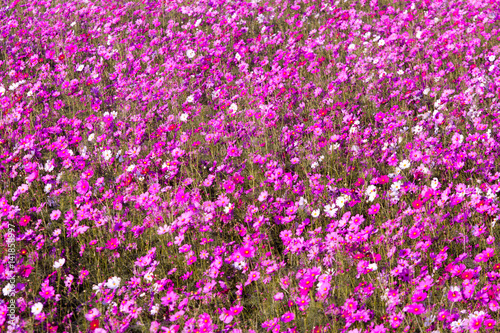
{"x": 249, "y": 166}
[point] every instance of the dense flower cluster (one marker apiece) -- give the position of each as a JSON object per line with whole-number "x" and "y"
{"x": 249, "y": 166}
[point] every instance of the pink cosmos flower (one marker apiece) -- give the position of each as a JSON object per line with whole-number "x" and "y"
{"x": 24, "y": 220}
{"x": 306, "y": 283}
{"x": 419, "y": 296}
{"x": 92, "y": 314}
{"x": 82, "y": 187}
{"x": 235, "y": 310}
{"x": 417, "y": 204}
{"x": 247, "y": 251}
{"x": 475, "y": 324}
{"x": 396, "y": 320}
{"x": 54, "y": 216}
{"x": 287, "y": 317}
{"x": 278, "y": 296}
{"x": 359, "y": 182}
{"x": 112, "y": 244}
{"x": 489, "y": 324}
{"x": 383, "y": 179}
{"x": 414, "y": 233}
{"x": 373, "y": 210}
{"x": 416, "y": 308}
{"x": 226, "y": 316}
{"x": 454, "y": 295}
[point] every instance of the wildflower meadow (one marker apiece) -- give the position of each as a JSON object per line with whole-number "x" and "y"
{"x": 249, "y": 166}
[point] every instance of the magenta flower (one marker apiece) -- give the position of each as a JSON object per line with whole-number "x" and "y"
{"x": 247, "y": 251}
{"x": 191, "y": 260}
{"x": 383, "y": 179}
{"x": 454, "y": 295}
{"x": 475, "y": 323}
{"x": 417, "y": 204}
{"x": 47, "y": 292}
{"x": 112, "y": 244}
{"x": 416, "y": 308}
{"x": 24, "y": 220}
{"x": 419, "y": 296}
{"x": 229, "y": 186}
{"x": 373, "y": 210}
{"x": 489, "y": 324}
{"x": 235, "y": 310}
{"x": 414, "y": 233}
{"x": 396, "y": 320}
{"x": 379, "y": 116}
{"x": 287, "y": 317}
{"x": 253, "y": 276}
{"x": 82, "y": 187}
{"x": 359, "y": 182}
{"x": 306, "y": 283}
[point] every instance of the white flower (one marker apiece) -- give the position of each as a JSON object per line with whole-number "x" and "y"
{"x": 371, "y": 189}
{"x": 426, "y": 91}
{"x": 335, "y": 146}
{"x": 228, "y": 208}
{"x": 237, "y": 56}
{"x": 331, "y": 210}
{"x": 114, "y": 114}
{"x": 417, "y": 129}
{"x": 239, "y": 265}
{"x": 381, "y": 42}
{"x": 434, "y": 183}
{"x": 372, "y": 197}
{"x": 163, "y": 229}
{"x": 80, "y": 68}
{"x": 372, "y": 267}
{"x": 131, "y": 168}
{"x": 396, "y": 186}
{"x": 419, "y": 34}
{"x": 401, "y": 72}
{"x": 315, "y": 213}
{"x": 154, "y": 309}
{"x": 113, "y": 282}
{"x": 36, "y": 308}
{"x": 47, "y": 188}
{"x": 340, "y": 202}
{"x": 2, "y": 90}
{"x": 302, "y": 202}
{"x": 91, "y": 137}
{"x": 190, "y": 99}
{"x": 491, "y": 58}
{"x": 314, "y": 165}
{"x": 351, "y": 47}
{"x": 404, "y": 164}
{"x": 8, "y": 289}
{"x": 190, "y": 54}
{"x": 148, "y": 277}
{"x": 59, "y": 263}
{"x": 233, "y": 107}
{"x": 184, "y": 117}
{"x": 197, "y": 23}
{"x": 106, "y": 154}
